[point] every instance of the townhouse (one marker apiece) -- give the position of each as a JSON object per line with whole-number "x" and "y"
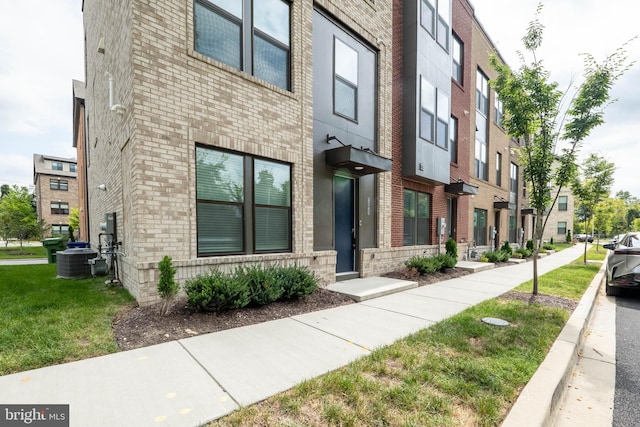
{"x": 328, "y": 134}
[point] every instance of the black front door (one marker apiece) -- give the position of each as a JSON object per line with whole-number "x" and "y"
{"x": 344, "y": 190}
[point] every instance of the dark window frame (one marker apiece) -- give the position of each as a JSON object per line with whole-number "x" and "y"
{"x": 57, "y": 166}
{"x": 61, "y": 208}
{"x": 457, "y": 64}
{"x": 248, "y": 33}
{"x": 247, "y": 206}
{"x": 563, "y": 206}
{"x": 453, "y": 140}
{"x": 345, "y": 81}
{"x": 559, "y": 230}
{"x": 413, "y": 237}
{"x": 58, "y": 184}
{"x": 499, "y": 169}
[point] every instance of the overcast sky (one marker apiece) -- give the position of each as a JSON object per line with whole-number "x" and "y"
{"x": 41, "y": 52}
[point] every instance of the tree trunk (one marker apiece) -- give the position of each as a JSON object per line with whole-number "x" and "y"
{"x": 536, "y": 249}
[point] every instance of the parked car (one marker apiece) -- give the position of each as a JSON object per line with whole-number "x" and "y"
{"x": 583, "y": 237}
{"x": 623, "y": 264}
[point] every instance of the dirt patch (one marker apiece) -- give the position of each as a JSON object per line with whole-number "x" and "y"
{"x": 137, "y": 327}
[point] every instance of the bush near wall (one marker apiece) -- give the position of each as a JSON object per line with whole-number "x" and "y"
{"x": 427, "y": 265}
{"x": 254, "y": 285}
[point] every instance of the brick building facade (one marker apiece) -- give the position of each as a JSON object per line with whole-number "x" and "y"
{"x": 324, "y": 133}
{"x": 56, "y": 191}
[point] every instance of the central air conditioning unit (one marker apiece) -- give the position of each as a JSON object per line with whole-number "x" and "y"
{"x": 74, "y": 263}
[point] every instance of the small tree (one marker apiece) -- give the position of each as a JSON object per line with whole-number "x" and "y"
{"x": 17, "y": 214}
{"x": 451, "y": 248}
{"x": 593, "y": 186}
{"x": 569, "y": 236}
{"x": 532, "y": 105}
{"x": 74, "y": 222}
{"x": 167, "y": 286}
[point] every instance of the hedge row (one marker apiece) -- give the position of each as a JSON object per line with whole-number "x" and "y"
{"x": 253, "y": 285}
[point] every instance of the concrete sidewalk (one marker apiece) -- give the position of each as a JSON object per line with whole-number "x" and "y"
{"x": 195, "y": 380}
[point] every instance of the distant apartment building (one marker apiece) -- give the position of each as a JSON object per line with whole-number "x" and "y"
{"x": 56, "y": 191}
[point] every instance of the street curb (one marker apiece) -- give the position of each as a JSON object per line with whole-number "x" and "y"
{"x": 538, "y": 401}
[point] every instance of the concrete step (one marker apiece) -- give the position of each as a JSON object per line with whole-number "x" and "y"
{"x": 474, "y": 266}
{"x": 366, "y": 288}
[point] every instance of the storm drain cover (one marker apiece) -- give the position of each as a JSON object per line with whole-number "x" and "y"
{"x": 494, "y": 321}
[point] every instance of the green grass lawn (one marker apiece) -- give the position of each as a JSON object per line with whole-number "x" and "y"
{"x": 46, "y": 321}
{"x": 459, "y": 372}
{"x": 13, "y": 252}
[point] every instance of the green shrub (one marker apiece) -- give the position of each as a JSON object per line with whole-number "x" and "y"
{"x": 216, "y": 292}
{"x": 548, "y": 247}
{"x": 262, "y": 283}
{"x": 496, "y": 256}
{"x": 484, "y": 258}
{"x": 524, "y": 253}
{"x": 167, "y": 286}
{"x": 569, "y": 240}
{"x": 431, "y": 264}
{"x": 517, "y": 255}
{"x": 296, "y": 281}
{"x": 506, "y": 247}
{"x": 530, "y": 245}
{"x": 551, "y": 241}
{"x": 451, "y": 248}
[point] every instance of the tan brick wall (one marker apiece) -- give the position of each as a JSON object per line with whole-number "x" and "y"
{"x": 498, "y": 142}
{"x": 175, "y": 98}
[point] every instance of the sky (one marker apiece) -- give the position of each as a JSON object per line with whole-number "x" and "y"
{"x": 41, "y": 52}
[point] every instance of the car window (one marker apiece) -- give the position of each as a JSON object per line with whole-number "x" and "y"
{"x": 634, "y": 241}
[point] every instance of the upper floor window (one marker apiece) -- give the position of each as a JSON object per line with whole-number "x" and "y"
{"x": 417, "y": 213}
{"x": 482, "y": 93}
{"x": 427, "y": 110}
{"x": 250, "y": 35}
{"x": 456, "y": 56}
{"x": 453, "y": 139}
{"x": 73, "y": 167}
{"x": 59, "y": 184}
{"x": 59, "y": 208}
{"x": 562, "y": 203}
{"x": 513, "y": 184}
{"x": 443, "y": 24}
{"x": 498, "y": 111}
{"x": 438, "y": 28}
{"x": 345, "y": 81}
{"x": 499, "y": 169}
{"x": 56, "y": 166}
{"x": 442, "y": 131}
{"x": 428, "y": 15}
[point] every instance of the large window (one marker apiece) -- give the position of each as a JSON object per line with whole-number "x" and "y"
{"x": 453, "y": 140}
{"x": 434, "y": 103}
{"x": 56, "y": 166}
{"x": 417, "y": 214}
{"x": 438, "y": 28}
{"x": 457, "y": 55}
{"x": 482, "y": 114}
{"x": 59, "y": 208}
{"x": 513, "y": 179}
{"x": 562, "y": 203}
{"x": 59, "y": 184}
{"x": 243, "y": 204}
{"x": 250, "y": 35}
{"x": 499, "y": 169}
{"x": 345, "y": 80}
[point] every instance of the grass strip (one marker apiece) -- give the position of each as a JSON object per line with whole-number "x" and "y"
{"x": 458, "y": 372}
{"x": 46, "y": 321}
